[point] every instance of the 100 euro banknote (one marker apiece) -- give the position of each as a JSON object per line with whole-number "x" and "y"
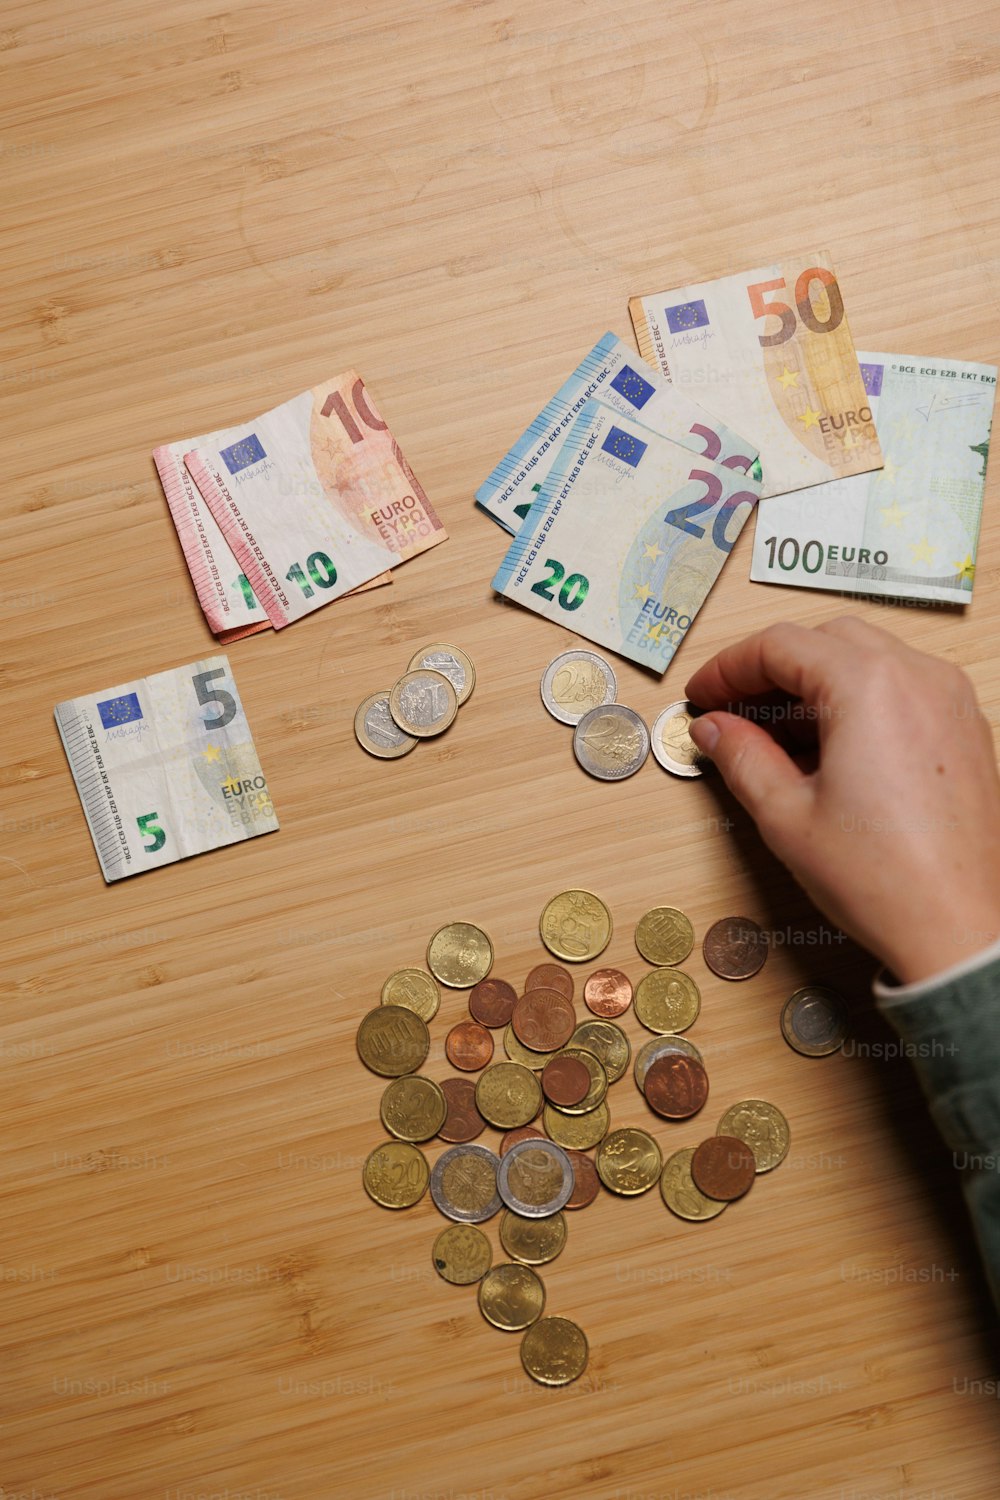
{"x": 626, "y": 537}
{"x": 911, "y": 529}
{"x": 165, "y": 767}
{"x": 770, "y": 352}
{"x": 314, "y": 497}
{"x": 612, "y": 374}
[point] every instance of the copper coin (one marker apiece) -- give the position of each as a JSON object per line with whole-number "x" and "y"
{"x": 463, "y": 1122}
{"x": 608, "y": 993}
{"x": 468, "y": 1046}
{"x": 565, "y": 1080}
{"x": 543, "y": 1020}
{"x": 734, "y": 948}
{"x": 550, "y": 977}
{"x": 676, "y": 1086}
{"x": 586, "y": 1183}
{"x": 723, "y": 1167}
{"x": 492, "y": 1001}
{"x": 520, "y": 1133}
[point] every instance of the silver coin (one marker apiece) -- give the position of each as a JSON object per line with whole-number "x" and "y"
{"x": 576, "y": 682}
{"x": 423, "y": 703}
{"x": 814, "y": 1021}
{"x": 465, "y": 1171}
{"x": 543, "y": 1178}
{"x": 672, "y": 744}
{"x": 377, "y": 731}
{"x": 660, "y": 1046}
{"x": 452, "y": 662}
{"x": 611, "y": 742}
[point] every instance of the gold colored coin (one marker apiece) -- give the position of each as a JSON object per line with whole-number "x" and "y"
{"x": 576, "y": 926}
{"x": 576, "y": 1132}
{"x": 462, "y": 1254}
{"x": 393, "y": 1040}
{"x": 519, "y": 1053}
{"x": 377, "y": 731}
{"x": 667, "y": 1001}
{"x": 507, "y": 1095}
{"x": 414, "y": 989}
{"x": 762, "y": 1127}
{"x": 664, "y": 935}
{"x": 628, "y": 1161}
{"x": 609, "y": 1044}
{"x": 679, "y": 1192}
{"x": 460, "y": 955}
{"x": 451, "y": 662}
{"x": 511, "y": 1296}
{"x": 423, "y": 703}
{"x": 413, "y": 1108}
{"x": 598, "y": 1082}
{"x": 554, "y": 1351}
{"x": 534, "y": 1242}
{"x": 396, "y": 1174}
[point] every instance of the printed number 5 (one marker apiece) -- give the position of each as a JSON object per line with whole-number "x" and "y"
{"x": 148, "y": 826}
{"x": 206, "y": 694}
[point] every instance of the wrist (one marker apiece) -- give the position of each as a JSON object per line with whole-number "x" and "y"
{"x": 941, "y": 946}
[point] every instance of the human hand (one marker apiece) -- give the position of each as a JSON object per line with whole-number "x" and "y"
{"x": 896, "y": 833}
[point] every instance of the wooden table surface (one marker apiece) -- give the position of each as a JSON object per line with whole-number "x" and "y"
{"x": 208, "y": 212}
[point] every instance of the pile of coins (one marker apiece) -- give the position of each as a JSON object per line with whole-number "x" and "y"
{"x": 420, "y": 704}
{"x": 611, "y": 741}
{"x": 548, "y": 1096}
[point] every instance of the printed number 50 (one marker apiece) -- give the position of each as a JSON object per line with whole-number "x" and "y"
{"x": 571, "y": 593}
{"x": 762, "y": 309}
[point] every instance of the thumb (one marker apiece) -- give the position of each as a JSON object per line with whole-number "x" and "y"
{"x": 753, "y": 765}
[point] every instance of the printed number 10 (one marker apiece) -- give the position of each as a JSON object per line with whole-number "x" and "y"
{"x": 321, "y": 571}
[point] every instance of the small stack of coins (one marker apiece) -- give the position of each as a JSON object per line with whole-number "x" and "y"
{"x": 420, "y": 704}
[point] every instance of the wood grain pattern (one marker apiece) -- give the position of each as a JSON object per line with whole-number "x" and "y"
{"x": 208, "y": 212}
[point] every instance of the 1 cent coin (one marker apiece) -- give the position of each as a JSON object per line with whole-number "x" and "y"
{"x": 463, "y": 1122}
{"x": 723, "y": 1167}
{"x": 608, "y": 993}
{"x": 676, "y": 1086}
{"x": 586, "y": 1183}
{"x": 565, "y": 1079}
{"x": 735, "y": 948}
{"x": 468, "y": 1046}
{"x": 492, "y": 1001}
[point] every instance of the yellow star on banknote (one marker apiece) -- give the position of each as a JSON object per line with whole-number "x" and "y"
{"x": 892, "y": 515}
{"x": 653, "y": 631}
{"x": 788, "y": 378}
{"x": 967, "y": 568}
{"x": 643, "y": 592}
{"x": 890, "y": 470}
{"x": 231, "y": 784}
{"x": 810, "y": 418}
{"x": 212, "y": 753}
{"x": 923, "y": 551}
{"x": 653, "y": 552}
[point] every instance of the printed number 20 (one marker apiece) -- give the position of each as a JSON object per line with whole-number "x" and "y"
{"x": 681, "y": 517}
{"x": 571, "y": 593}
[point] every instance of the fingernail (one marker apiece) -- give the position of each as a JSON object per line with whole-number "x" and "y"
{"x": 705, "y": 733}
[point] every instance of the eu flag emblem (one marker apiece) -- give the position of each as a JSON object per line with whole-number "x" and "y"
{"x": 123, "y": 710}
{"x": 630, "y": 384}
{"x": 624, "y": 446}
{"x": 872, "y": 377}
{"x": 244, "y": 453}
{"x": 686, "y": 315}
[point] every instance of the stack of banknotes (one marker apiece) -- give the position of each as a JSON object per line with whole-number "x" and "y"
{"x": 290, "y": 510}
{"x": 627, "y": 492}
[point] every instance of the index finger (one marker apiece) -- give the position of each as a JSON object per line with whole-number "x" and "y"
{"x": 790, "y": 657}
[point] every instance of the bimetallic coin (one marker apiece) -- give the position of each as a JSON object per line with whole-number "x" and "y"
{"x": 735, "y": 948}
{"x": 413, "y": 1108}
{"x": 520, "y": 1133}
{"x": 576, "y": 682}
{"x": 492, "y": 1002}
{"x": 543, "y": 1020}
{"x": 535, "y": 1178}
{"x": 660, "y": 1047}
{"x": 671, "y": 740}
{"x": 463, "y": 1121}
{"x": 468, "y": 1046}
{"x": 396, "y": 1174}
{"x": 607, "y": 1042}
{"x": 460, "y": 955}
{"x": 511, "y": 1296}
{"x": 423, "y": 703}
{"x": 462, "y": 1254}
{"x": 628, "y": 1161}
{"x": 565, "y": 1079}
{"x": 554, "y": 1351}
{"x": 576, "y": 926}
{"x": 393, "y": 1040}
{"x": 667, "y": 1000}
{"x": 597, "y": 1082}
{"x": 586, "y": 1183}
{"x": 814, "y": 1021}
{"x": 576, "y": 1132}
{"x": 464, "y": 1184}
{"x": 508, "y": 1094}
{"x": 723, "y": 1167}
{"x": 664, "y": 935}
{"x": 414, "y": 989}
{"x": 762, "y": 1126}
{"x": 452, "y": 663}
{"x": 678, "y": 1189}
{"x": 534, "y": 1242}
{"x": 550, "y": 977}
{"x": 675, "y": 1086}
{"x": 377, "y": 731}
{"x": 608, "y": 993}
{"x": 611, "y": 743}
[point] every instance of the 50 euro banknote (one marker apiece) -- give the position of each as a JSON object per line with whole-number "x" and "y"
{"x": 626, "y": 537}
{"x": 770, "y": 352}
{"x": 314, "y": 497}
{"x": 910, "y": 530}
{"x": 612, "y": 374}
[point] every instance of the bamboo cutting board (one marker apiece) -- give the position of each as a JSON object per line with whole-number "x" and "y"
{"x": 209, "y": 212}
